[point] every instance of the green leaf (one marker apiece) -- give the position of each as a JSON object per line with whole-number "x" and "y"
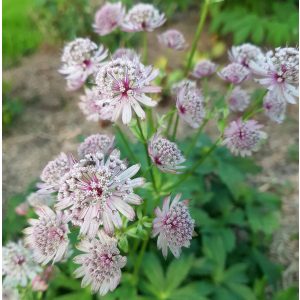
{"x": 290, "y": 293}
{"x": 123, "y": 243}
{"x": 236, "y": 273}
{"x": 228, "y": 238}
{"x": 192, "y": 291}
{"x": 241, "y": 290}
{"x": 75, "y": 296}
{"x": 178, "y": 271}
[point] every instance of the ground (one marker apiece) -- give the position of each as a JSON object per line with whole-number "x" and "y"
{"x": 51, "y": 122}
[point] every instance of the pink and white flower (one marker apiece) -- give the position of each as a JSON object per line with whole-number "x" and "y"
{"x": 126, "y": 53}
{"x": 143, "y": 17}
{"x": 172, "y": 39}
{"x": 97, "y": 190}
{"x": 48, "y": 235}
{"x": 173, "y": 225}
{"x": 22, "y": 209}
{"x": 190, "y": 106}
{"x": 279, "y": 73}
{"x": 204, "y": 68}
{"x": 234, "y": 73}
{"x": 18, "y": 265}
{"x": 124, "y": 84}
{"x": 108, "y": 18}
{"x": 96, "y": 143}
{"x": 81, "y": 58}
{"x": 176, "y": 87}
{"x": 243, "y": 137}
{"x": 165, "y": 154}
{"x": 36, "y": 199}
{"x": 101, "y": 263}
{"x": 239, "y": 99}
{"x": 274, "y": 107}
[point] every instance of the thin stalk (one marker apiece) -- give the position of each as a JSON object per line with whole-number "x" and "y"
{"x": 255, "y": 110}
{"x": 130, "y": 152}
{"x": 252, "y": 113}
{"x": 175, "y": 127}
{"x": 147, "y": 155}
{"x": 145, "y": 47}
{"x": 139, "y": 259}
{"x": 201, "y": 23}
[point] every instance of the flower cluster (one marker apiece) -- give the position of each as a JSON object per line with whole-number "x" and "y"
{"x": 239, "y": 99}
{"x": 234, "y": 73}
{"x": 204, "y": 68}
{"x": 173, "y": 39}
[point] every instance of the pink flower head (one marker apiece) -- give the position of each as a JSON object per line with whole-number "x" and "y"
{"x": 81, "y": 58}
{"x": 96, "y": 191}
{"x": 190, "y": 106}
{"x": 125, "y": 53}
{"x": 176, "y": 87}
{"x": 234, "y": 73}
{"x": 279, "y": 73}
{"x": 244, "y": 54}
{"x": 22, "y": 209}
{"x": 108, "y": 18}
{"x": 204, "y": 68}
{"x": 36, "y": 199}
{"x": 244, "y": 137}
{"x": 173, "y": 225}
{"x": 39, "y": 284}
{"x": 143, "y": 17}
{"x": 172, "y": 39}
{"x": 274, "y": 107}
{"x": 48, "y": 236}
{"x": 239, "y": 99}
{"x": 53, "y": 172}
{"x": 165, "y": 154}
{"x": 94, "y": 106}
{"x": 18, "y": 266}
{"x": 101, "y": 263}
{"x": 96, "y": 143}
{"x": 125, "y": 83}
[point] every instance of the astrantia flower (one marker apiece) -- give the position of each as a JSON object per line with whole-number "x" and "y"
{"x": 81, "y": 58}
{"x": 108, "y": 18}
{"x": 143, "y": 17}
{"x": 48, "y": 235}
{"x": 101, "y": 263}
{"x": 40, "y": 282}
{"x": 204, "y": 68}
{"x": 96, "y": 143}
{"x": 244, "y": 54}
{"x": 279, "y": 73}
{"x": 22, "y": 209}
{"x": 190, "y": 106}
{"x": 37, "y": 199}
{"x": 234, "y": 73}
{"x": 10, "y": 294}
{"x": 124, "y": 83}
{"x": 125, "y": 53}
{"x": 173, "y": 39}
{"x": 54, "y": 171}
{"x": 239, "y": 99}
{"x": 96, "y": 191}
{"x": 92, "y": 105}
{"x": 176, "y": 87}
{"x": 165, "y": 154}
{"x": 18, "y": 266}
{"x": 173, "y": 225}
{"x": 244, "y": 137}
{"x": 274, "y": 107}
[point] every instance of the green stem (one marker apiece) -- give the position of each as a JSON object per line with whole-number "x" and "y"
{"x": 252, "y": 113}
{"x": 139, "y": 259}
{"x": 201, "y": 23}
{"x": 255, "y": 110}
{"x": 145, "y": 47}
{"x": 130, "y": 152}
{"x": 175, "y": 127}
{"x": 147, "y": 155}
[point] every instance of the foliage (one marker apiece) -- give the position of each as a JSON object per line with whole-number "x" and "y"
{"x": 272, "y": 22}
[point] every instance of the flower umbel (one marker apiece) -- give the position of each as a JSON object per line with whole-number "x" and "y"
{"x": 176, "y": 87}
{"x": 239, "y": 99}
{"x": 274, "y": 107}
{"x": 172, "y": 39}
{"x": 143, "y": 17}
{"x": 173, "y": 225}
{"x": 125, "y": 83}
{"x": 108, "y": 18}
{"x": 234, "y": 73}
{"x": 101, "y": 263}
{"x": 204, "y": 68}
{"x": 243, "y": 137}
{"x": 48, "y": 236}
{"x": 165, "y": 154}
{"x": 97, "y": 190}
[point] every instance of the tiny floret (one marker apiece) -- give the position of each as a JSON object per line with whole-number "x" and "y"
{"x": 274, "y": 107}
{"x": 173, "y": 225}
{"x": 204, "y": 68}
{"x": 190, "y": 106}
{"x": 172, "y": 39}
{"x": 165, "y": 154}
{"x": 238, "y": 100}
{"x": 18, "y": 266}
{"x": 143, "y": 17}
{"x": 48, "y": 235}
{"x": 234, "y": 73}
{"x": 101, "y": 263}
{"x": 108, "y": 18}
{"x": 96, "y": 143}
{"x": 244, "y": 137}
